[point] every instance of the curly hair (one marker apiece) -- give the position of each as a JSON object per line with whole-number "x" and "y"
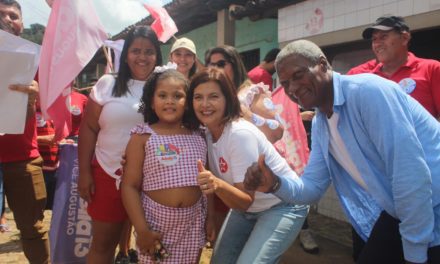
{"x": 146, "y": 102}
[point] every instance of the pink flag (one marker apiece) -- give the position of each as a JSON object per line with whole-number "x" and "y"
{"x": 293, "y": 145}
{"x": 163, "y": 24}
{"x": 73, "y": 34}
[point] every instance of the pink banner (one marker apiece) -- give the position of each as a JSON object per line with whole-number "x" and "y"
{"x": 72, "y": 36}
{"x": 293, "y": 145}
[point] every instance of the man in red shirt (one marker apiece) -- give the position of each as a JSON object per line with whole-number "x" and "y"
{"x": 418, "y": 77}
{"x": 78, "y": 103}
{"x": 264, "y": 71}
{"x": 21, "y": 163}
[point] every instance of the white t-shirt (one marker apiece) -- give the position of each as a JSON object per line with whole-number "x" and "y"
{"x": 240, "y": 145}
{"x": 118, "y": 116}
{"x": 339, "y": 151}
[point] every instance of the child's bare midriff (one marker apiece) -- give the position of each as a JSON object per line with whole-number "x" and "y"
{"x": 176, "y": 197}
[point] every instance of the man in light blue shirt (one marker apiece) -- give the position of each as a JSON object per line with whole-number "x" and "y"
{"x": 379, "y": 147}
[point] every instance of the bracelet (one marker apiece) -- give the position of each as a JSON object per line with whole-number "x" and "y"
{"x": 275, "y": 186}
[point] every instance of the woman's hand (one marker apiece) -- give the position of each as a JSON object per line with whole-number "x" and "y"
{"x": 207, "y": 181}
{"x": 86, "y": 186}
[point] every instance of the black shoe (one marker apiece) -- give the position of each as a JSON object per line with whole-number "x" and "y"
{"x": 122, "y": 259}
{"x": 133, "y": 256}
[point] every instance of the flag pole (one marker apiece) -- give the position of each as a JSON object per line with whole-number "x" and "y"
{"x": 107, "y": 56}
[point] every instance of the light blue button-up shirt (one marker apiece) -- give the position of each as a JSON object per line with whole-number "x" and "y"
{"x": 395, "y": 144}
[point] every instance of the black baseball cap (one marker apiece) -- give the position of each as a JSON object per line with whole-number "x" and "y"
{"x": 386, "y": 23}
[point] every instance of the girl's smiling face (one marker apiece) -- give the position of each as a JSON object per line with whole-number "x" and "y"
{"x": 169, "y": 101}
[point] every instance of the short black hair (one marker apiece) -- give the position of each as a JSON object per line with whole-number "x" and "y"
{"x": 271, "y": 55}
{"x": 11, "y": 3}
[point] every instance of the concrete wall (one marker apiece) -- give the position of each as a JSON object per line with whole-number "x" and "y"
{"x": 329, "y": 22}
{"x": 262, "y": 34}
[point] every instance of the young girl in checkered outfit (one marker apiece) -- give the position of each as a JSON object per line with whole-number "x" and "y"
{"x": 159, "y": 185}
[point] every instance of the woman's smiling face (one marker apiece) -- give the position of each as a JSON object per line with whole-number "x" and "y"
{"x": 209, "y": 104}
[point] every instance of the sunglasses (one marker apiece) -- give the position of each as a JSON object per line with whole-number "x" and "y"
{"x": 219, "y": 64}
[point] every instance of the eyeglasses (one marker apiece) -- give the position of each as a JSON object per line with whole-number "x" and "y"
{"x": 219, "y": 64}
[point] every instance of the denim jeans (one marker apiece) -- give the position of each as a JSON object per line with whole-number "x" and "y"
{"x": 258, "y": 237}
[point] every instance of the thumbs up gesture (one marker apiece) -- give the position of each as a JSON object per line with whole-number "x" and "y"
{"x": 207, "y": 181}
{"x": 259, "y": 177}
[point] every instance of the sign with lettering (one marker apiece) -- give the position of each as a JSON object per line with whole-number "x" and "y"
{"x": 71, "y": 227}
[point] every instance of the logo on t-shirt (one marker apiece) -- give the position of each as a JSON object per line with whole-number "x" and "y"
{"x": 167, "y": 154}
{"x": 40, "y": 120}
{"x": 75, "y": 110}
{"x": 223, "y": 165}
{"x": 408, "y": 85}
{"x": 118, "y": 172}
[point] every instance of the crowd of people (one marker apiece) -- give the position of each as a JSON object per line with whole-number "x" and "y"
{"x": 187, "y": 153}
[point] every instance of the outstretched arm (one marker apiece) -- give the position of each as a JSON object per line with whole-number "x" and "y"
{"x": 304, "y": 190}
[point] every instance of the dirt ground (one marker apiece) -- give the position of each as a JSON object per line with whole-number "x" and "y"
{"x": 333, "y": 237}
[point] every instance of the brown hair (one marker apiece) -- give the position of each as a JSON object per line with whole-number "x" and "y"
{"x": 232, "y": 108}
{"x": 232, "y": 56}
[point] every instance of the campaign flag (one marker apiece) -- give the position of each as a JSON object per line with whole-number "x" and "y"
{"x": 70, "y": 231}
{"x": 163, "y": 24}
{"x": 73, "y": 34}
{"x": 117, "y": 47}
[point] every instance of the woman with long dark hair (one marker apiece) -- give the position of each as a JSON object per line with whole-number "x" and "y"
{"x": 105, "y": 130}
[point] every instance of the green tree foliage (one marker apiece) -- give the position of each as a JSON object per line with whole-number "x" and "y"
{"x": 35, "y": 33}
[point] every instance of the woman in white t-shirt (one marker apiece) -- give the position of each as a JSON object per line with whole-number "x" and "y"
{"x": 259, "y": 226}
{"x": 105, "y": 130}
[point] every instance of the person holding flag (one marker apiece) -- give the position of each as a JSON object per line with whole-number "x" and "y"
{"x": 21, "y": 163}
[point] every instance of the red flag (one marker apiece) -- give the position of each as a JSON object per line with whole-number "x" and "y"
{"x": 72, "y": 36}
{"x": 163, "y": 24}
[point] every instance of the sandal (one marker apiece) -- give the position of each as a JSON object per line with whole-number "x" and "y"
{"x": 5, "y": 228}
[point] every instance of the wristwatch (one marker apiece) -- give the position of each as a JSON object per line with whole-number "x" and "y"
{"x": 275, "y": 186}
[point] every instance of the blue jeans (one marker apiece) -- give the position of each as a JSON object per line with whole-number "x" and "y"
{"x": 258, "y": 237}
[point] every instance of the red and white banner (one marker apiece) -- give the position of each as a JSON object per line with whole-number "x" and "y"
{"x": 163, "y": 24}
{"x": 73, "y": 35}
